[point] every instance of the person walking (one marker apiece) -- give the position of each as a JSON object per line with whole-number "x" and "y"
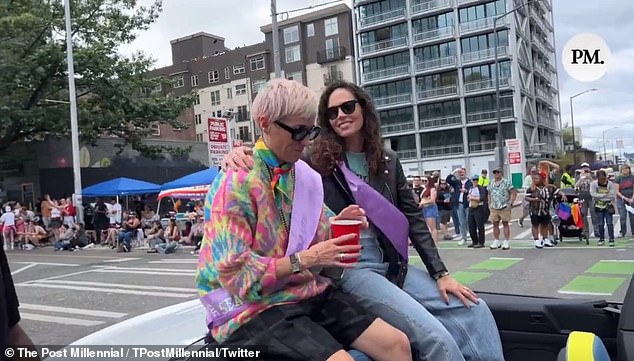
{"x": 502, "y": 196}
{"x": 625, "y": 196}
{"x": 428, "y": 204}
{"x": 539, "y": 196}
{"x": 603, "y": 191}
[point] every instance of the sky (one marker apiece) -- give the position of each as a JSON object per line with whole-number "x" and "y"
{"x": 597, "y": 113}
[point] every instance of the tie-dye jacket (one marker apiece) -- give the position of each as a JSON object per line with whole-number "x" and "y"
{"x": 244, "y": 235}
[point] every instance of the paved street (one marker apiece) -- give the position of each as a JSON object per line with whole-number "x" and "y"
{"x": 66, "y": 296}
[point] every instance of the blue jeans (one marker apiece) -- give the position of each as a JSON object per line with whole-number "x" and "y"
{"x": 463, "y": 216}
{"x": 454, "y": 218}
{"x": 436, "y": 331}
{"x": 126, "y": 238}
{"x": 623, "y": 215}
{"x": 605, "y": 218}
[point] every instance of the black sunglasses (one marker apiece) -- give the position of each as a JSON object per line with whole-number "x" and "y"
{"x": 347, "y": 107}
{"x": 301, "y": 132}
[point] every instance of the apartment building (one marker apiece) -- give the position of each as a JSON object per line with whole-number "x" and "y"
{"x": 314, "y": 50}
{"x": 430, "y": 67}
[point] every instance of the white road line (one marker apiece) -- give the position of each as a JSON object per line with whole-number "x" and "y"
{"x": 176, "y": 261}
{"x": 50, "y": 264}
{"x": 584, "y": 293}
{"x": 60, "y": 320}
{"x": 524, "y": 234}
{"x": 143, "y": 269}
{"x": 617, "y": 260}
{"x": 121, "y": 260}
{"x": 188, "y": 274}
{"x": 76, "y": 311}
{"x": 23, "y": 269}
{"x": 508, "y": 258}
{"x": 109, "y": 290}
{"x": 119, "y": 285}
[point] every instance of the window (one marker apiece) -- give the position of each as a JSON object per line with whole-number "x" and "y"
{"x": 178, "y": 82}
{"x": 238, "y": 69}
{"x": 215, "y": 97}
{"x": 197, "y": 99}
{"x": 482, "y": 11}
{"x": 397, "y": 116}
{"x": 310, "y": 30}
{"x": 199, "y": 137}
{"x": 433, "y": 22}
{"x": 258, "y": 85}
{"x": 291, "y": 35}
{"x": 396, "y": 32}
{"x": 227, "y": 73}
{"x": 257, "y": 63}
{"x": 213, "y": 76}
{"x": 194, "y": 80}
{"x": 332, "y": 48}
{"x": 297, "y": 76}
{"x": 331, "y": 26}
{"x": 481, "y": 42}
{"x": 198, "y": 118}
{"x": 158, "y": 88}
{"x": 241, "y": 89}
{"x": 243, "y": 114}
{"x": 229, "y": 93}
{"x": 390, "y": 89}
{"x": 435, "y": 51}
{"x": 156, "y": 129}
{"x": 386, "y": 62}
{"x": 292, "y": 54}
{"x": 244, "y": 134}
{"x": 439, "y": 110}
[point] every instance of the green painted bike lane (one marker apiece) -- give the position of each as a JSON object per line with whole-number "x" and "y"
{"x": 601, "y": 279}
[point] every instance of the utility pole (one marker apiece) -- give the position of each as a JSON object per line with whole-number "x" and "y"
{"x": 276, "y": 40}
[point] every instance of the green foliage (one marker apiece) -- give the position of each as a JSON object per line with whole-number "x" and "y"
{"x": 33, "y": 73}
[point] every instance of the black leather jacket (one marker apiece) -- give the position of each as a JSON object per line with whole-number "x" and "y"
{"x": 393, "y": 185}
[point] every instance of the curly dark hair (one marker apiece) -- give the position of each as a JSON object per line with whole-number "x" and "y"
{"x": 329, "y": 148}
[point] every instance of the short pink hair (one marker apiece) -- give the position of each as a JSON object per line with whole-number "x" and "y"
{"x": 283, "y": 98}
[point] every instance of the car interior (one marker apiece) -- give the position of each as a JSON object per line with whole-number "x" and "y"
{"x": 538, "y": 328}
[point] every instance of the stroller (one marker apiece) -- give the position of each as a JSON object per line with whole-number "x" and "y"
{"x": 565, "y": 222}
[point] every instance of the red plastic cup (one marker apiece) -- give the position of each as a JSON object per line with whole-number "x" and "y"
{"x": 342, "y": 227}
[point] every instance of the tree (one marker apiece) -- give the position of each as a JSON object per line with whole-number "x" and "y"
{"x": 114, "y": 94}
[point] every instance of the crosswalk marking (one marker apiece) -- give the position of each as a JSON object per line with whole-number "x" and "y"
{"x": 176, "y": 261}
{"x": 75, "y": 311}
{"x": 188, "y": 274}
{"x": 116, "y": 260}
{"x": 143, "y": 269}
{"x": 59, "y": 320}
{"x": 22, "y": 269}
{"x": 110, "y": 290}
{"x": 118, "y": 285}
{"x": 49, "y": 264}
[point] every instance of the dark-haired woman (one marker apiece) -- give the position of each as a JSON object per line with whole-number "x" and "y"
{"x": 357, "y": 169}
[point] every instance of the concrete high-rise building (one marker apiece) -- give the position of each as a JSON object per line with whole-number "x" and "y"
{"x": 430, "y": 67}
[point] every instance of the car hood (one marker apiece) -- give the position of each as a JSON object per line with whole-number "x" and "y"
{"x": 180, "y": 324}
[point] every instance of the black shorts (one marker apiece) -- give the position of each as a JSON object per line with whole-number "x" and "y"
{"x": 540, "y": 220}
{"x": 313, "y": 329}
{"x": 445, "y": 216}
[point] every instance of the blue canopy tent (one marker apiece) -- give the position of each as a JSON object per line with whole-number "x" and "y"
{"x": 200, "y": 178}
{"x": 120, "y": 187}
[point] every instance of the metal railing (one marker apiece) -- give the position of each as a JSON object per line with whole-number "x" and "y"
{"x": 383, "y": 45}
{"x": 381, "y": 18}
{"x": 442, "y": 151}
{"x": 436, "y": 63}
{"x": 393, "y": 100}
{"x": 437, "y": 92}
{"x": 484, "y": 54}
{"x": 386, "y": 73}
{"x": 475, "y": 86}
{"x": 428, "y": 35}
{"x": 486, "y": 146}
{"x": 489, "y": 115}
{"x": 424, "y": 6}
{"x": 483, "y": 23}
{"x": 406, "y": 154}
{"x": 440, "y": 122}
{"x": 397, "y": 127}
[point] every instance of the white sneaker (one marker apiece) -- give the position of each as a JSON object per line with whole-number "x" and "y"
{"x": 548, "y": 243}
{"x": 539, "y": 243}
{"x": 495, "y": 244}
{"x": 505, "y": 245}
{"x": 462, "y": 242}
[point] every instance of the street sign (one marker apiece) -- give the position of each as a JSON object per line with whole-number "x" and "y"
{"x": 514, "y": 150}
{"x": 218, "y": 141}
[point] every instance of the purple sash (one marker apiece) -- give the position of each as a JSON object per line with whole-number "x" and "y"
{"x": 308, "y": 203}
{"x": 381, "y": 212}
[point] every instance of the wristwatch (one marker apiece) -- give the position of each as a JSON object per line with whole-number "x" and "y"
{"x": 440, "y": 275}
{"x": 296, "y": 263}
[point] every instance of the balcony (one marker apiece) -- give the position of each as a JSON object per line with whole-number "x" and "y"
{"x": 435, "y": 34}
{"x": 381, "y": 18}
{"x": 546, "y": 97}
{"x": 541, "y": 69}
{"x": 330, "y": 55}
{"x": 383, "y": 45}
{"x": 474, "y": 86}
{"x": 442, "y": 151}
{"x": 440, "y": 122}
{"x": 485, "y": 54}
{"x": 489, "y": 115}
{"x": 333, "y": 76}
{"x": 406, "y": 154}
{"x": 422, "y": 7}
{"x": 433, "y": 64}
{"x": 425, "y": 94}
{"x": 398, "y": 99}
{"x": 479, "y": 147}
{"x": 386, "y": 73}
{"x": 480, "y": 24}
{"x": 397, "y": 127}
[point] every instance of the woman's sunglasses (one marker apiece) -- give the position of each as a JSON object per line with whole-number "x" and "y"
{"x": 347, "y": 107}
{"x": 301, "y": 132}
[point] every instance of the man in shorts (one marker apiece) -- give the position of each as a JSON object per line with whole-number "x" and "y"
{"x": 501, "y": 198}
